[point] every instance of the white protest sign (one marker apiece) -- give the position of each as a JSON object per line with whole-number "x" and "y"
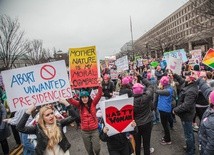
{"x": 179, "y": 54}
{"x": 122, "y": 63}
{"x": 175, "y": 65}
{"x": 196, "y": 54}
{"x": 118, "y": 115}
{"x": 38, "y": 84}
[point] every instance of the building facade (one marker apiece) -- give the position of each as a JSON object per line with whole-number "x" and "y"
{"x": 189, "y": 27}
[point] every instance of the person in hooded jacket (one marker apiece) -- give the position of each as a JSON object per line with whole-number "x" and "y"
{"x": 143, "y": 115}
{"x": 125, "y": 87}
{"x": 164, "y": 106}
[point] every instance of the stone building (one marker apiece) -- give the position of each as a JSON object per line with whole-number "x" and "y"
{"x": 189, "y": 27}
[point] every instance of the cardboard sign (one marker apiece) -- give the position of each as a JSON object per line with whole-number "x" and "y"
{"x": 118, "y": 115}
{"x": 38, "y": 84}
{"x": 83, "y": 67}
{"x": 175, "y": 65}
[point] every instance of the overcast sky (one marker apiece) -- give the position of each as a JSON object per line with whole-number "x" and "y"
{"x": 76, "y": 23}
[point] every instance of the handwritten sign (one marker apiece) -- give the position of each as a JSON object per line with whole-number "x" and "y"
{"x": 113, "y": 74}
{"x": 180, "y": 54}
{"x": 122, "y": 63}
{"x": 196, "y": 54}
{"x": 38, "y": 84}
{"x": 175, "y": 65}
{"x": 83, "y": 67}
{"x": 118, "y": 115}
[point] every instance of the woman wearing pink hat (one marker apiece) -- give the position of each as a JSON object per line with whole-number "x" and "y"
{"x": 126, "y": 87}
{"x": 164, "y": 106}
{"x": 143, "y": 116}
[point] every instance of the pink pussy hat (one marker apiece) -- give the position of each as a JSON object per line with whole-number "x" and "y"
{"x": 125, "y": 81}
{"x": 212, "y": 97}
{"x": 164, "y": 80}
{"x": 138, "y": 88}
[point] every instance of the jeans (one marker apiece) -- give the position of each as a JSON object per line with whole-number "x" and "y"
{"x": 28, "y": 147}
{"x": 91, "y": 141}
{"x": 189, "y": 137}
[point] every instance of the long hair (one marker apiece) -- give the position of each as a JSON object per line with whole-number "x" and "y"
{"x": 54, "y": 132}
{"x": 89, "y": 104}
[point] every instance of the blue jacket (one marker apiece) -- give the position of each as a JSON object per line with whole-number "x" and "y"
{"x": 165, "y": 99}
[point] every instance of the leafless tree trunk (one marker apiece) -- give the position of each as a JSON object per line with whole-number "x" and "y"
{"x": 12, "y": 42}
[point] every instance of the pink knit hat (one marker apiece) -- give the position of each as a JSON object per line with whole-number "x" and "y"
{"x": 125, "y": 81}
{"x": 212, "y": 97}
{"x": 138, "y": 88}
{"x": 149, "y": 76}
{"x": 164, "y": 80}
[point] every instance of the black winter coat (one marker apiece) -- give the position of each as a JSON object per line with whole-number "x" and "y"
{"x": 143, "y": 105}
{"x": 42, "y": 139}
{"x": 127, "y": 91}
{"x": 116, "y": 142}
{"x": 186, "y": 100}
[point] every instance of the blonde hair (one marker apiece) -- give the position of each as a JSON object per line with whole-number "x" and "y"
{"x": 54, "y": 132}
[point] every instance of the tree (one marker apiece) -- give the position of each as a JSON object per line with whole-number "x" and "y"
{"x": 203, "y": 18}
{"x": 12, "y": 42}
{"x": 36, "y": 53}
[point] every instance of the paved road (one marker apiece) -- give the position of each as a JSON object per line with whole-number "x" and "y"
{"x": 176, "y": 148}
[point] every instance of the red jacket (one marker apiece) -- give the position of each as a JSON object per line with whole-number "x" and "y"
{"x": 88, "y": 120}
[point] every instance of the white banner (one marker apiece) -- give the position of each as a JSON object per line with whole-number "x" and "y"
{"x": 196, "y": 54}
{"x": 122, "y": 64}
{"x": 175, "y": 65}
{"x": 38, "y": 84}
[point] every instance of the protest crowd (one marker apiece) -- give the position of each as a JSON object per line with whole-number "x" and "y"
{"x": 119, "y": 109}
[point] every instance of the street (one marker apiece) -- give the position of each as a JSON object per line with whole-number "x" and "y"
{"x": 77, "y": 146}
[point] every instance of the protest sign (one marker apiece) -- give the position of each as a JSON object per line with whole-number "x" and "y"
{"x": 122, "y": 63}
{"x": 83, "y": 67}
{"x": 118, "y": 115}
{"x": 180, "y": 54}
{"x": 209, "y": 58}
{"x": 192, "y": 62}
{"x": 175, "y": 65}
{"x": 38, "y": 84}
{"x": 113, "y": 74}
{"x": 196, "y": 54}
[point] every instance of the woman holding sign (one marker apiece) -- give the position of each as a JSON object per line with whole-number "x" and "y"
{"x": 50, "y": 137}
{"x": 89, "y": 121}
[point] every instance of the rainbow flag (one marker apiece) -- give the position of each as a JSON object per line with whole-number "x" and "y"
{"x": 209, "y": 58}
